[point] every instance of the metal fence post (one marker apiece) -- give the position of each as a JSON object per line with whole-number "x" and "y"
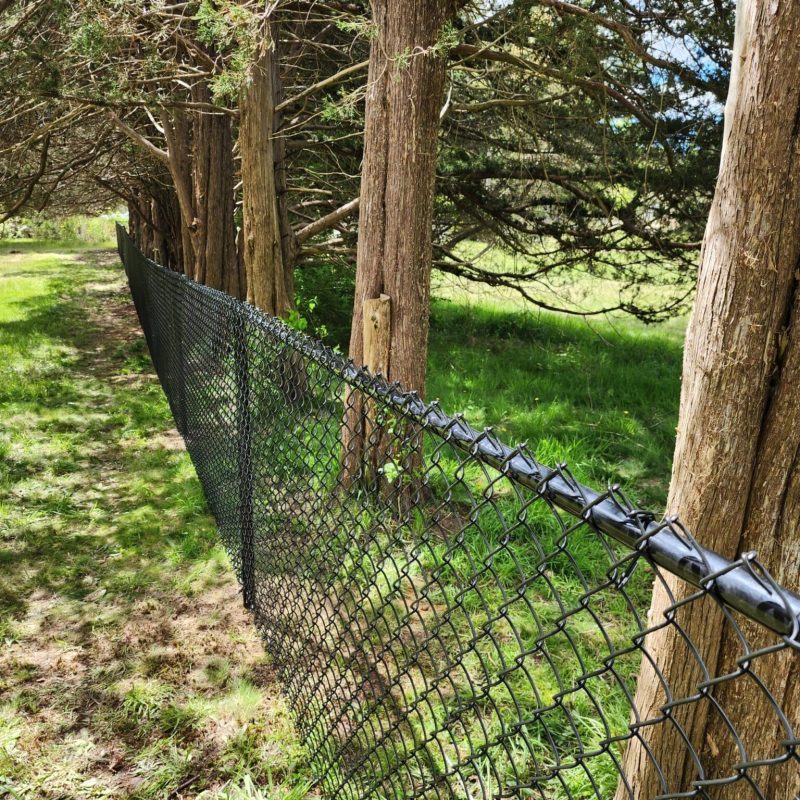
{"x": 182, "y": 420}
{"x": 244, "y": 437}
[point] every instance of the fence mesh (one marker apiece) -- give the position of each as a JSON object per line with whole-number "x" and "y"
{"x": 449, "y": 617}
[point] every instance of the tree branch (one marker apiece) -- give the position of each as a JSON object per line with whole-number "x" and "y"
{"x": 318, "y": 87}
{"x": 142, "y": 141}
{"x": 31, "y": 183}
{"x": 328, "y": 221}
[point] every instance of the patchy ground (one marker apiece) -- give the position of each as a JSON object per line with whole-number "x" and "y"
{"x": 128, "y": 668}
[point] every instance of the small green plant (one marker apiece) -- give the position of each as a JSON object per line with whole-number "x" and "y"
{"x": 363, "y": 26}
{"x": 296, "y": 320}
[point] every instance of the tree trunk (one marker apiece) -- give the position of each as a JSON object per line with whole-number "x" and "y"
{"x": 134, "y": 224}
{"x": 288, "y": 240}
{"x": 200, "y": 150}
{"x": 177, "y": 132}
{"x": 213, "y": 179}
{"x": 165, "y": 214}
{"x": 404, "y": 98}
{"x": 267, "y": 284}
{"x": 736, "y": 473}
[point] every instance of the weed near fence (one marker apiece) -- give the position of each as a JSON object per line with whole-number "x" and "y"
{"x": 449, "y": 616}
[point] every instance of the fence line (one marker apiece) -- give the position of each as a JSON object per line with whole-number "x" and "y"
{"x": 451, "y": 617}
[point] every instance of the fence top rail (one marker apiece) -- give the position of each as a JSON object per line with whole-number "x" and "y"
{"x": 743, "y": 584}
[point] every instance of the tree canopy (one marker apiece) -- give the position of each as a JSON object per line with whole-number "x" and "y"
{"x": 574, "y": 136}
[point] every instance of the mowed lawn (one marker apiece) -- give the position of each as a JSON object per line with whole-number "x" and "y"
{"x": 128, "y": 667}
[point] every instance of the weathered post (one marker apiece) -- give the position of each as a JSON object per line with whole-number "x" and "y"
{"x": 377, "y": 339}
{"x": 377, "y": 333}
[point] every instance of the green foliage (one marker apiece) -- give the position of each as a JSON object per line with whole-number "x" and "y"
{"x": 76, "y": 229}
{"x": 449, "y": 37}
{"x": 232, "y": 29}
{"x": 91, "y": 40}
{"x": 324, "y": 291}
{"x": 345, "y": 107}
{"x": 220, "y": 25}
{"x": 296, "y": 320}
{"x": 358, "y": 26}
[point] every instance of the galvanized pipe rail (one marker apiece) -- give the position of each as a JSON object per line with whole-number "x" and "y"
{"x": 736, "y": 583}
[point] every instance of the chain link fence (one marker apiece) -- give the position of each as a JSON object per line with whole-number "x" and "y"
{"x": 450, "y": 617}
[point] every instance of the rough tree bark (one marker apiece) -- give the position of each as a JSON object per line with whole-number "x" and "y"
{"x": 177, "y": 132}
{"x": 289, "y": 245}
{"x": 213, "y": 180}
{"x": 736, "y": 473}
{"x": 269, "y": 283}
{"x": 165, "y": 219}
{"x": 404, "y": 98}
{"x": 200, "y": 160}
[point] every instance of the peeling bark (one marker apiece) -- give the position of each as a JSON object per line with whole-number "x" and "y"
{"x": 269, "y": 284}
{"x": 177, "y": 131}
{"x": 213, "y": 180}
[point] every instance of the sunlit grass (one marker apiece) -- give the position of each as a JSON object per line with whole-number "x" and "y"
{"x": 603, "y": 402}
{"x": 127, "y": 667}
{"x": 573, "y": 290}
{"x": 108, "y": 552}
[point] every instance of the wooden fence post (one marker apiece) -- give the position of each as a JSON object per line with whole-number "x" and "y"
{"x": 377, "y": 331}
{"x": 377, "y": 334}
{"x": 360, "y": 461}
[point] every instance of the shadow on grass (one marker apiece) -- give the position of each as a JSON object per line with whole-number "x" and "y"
{"x": 83, "y": 444}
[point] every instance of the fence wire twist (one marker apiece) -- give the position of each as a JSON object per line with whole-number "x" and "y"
{"x": 449, "y": 617}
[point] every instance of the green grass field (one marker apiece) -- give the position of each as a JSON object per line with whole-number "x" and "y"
{"x": 603, "y": 399}
{"x": 127, "y": 667}
{"x": 600, "y": 394}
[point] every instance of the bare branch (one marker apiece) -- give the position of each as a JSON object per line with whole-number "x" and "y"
{"x": 142, "y": 141}
{"x": 327, "y": 83}
{"x": 328, "y": 221}
{"x": 32, "y": 182}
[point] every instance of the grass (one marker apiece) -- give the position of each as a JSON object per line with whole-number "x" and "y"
{"x": 601, "y": 395}
{"x": 575, "y": 290}
{"x": 127, "y": 666}
{"x": 123, "y": 632}
{"x": 603, "y": 399}
{"x": 72, "y": 232}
